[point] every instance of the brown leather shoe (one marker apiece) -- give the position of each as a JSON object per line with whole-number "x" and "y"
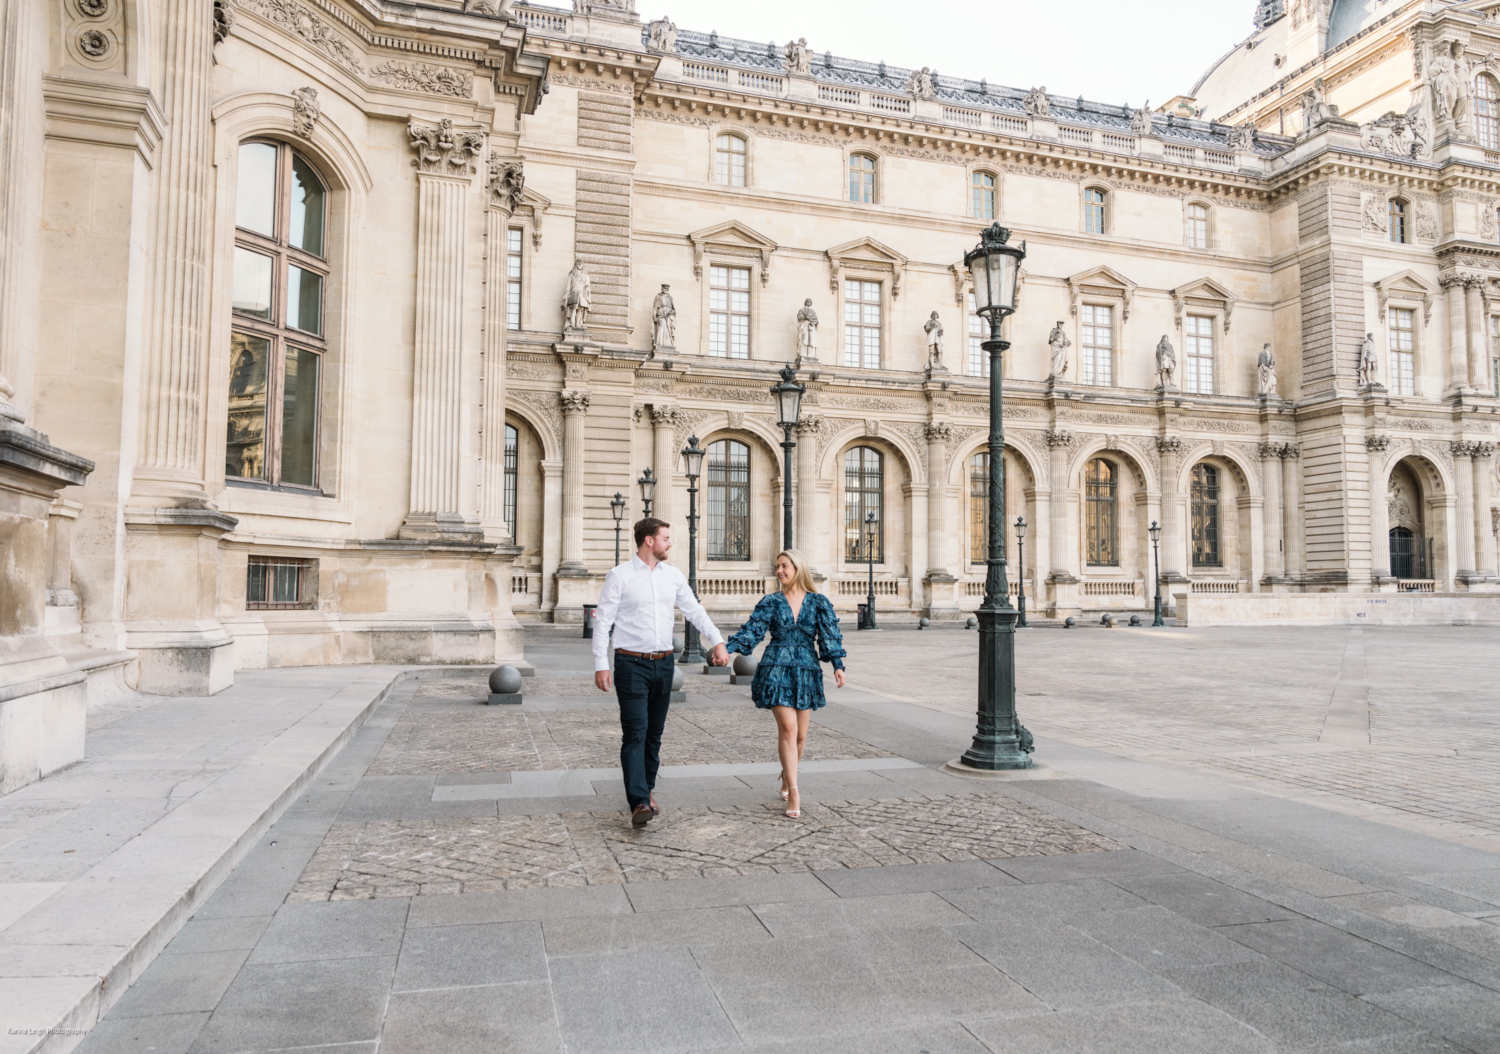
{"x": 655, "y": 808}
{"x": 641, "y": 815}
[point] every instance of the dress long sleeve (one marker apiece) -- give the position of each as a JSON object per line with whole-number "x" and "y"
{"x": 748, "y": 637}
{"x": 830, "y": 639}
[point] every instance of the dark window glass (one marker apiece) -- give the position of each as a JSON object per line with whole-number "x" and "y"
{"x": 512, "y": 471}
{"x": 728, "y": 500}
{"x": 1100, "y": 519}
{"x": 1206, "y": 517}
{"x": 979, "y": 508}
{"x": 864, "y": 492}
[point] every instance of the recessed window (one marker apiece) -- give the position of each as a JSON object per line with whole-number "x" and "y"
{"x": 1403, "y": 350}
{"x": 1197, "y": 226}
{"x": 1397, "y": 224}
{"x": 979, "y": 508}
{"x": 512, "y": 476}
{"x": 278, "y": 583}
{"x": 729, "y": 160}
{"x": 982, "y": 195}
{"x": 513, "y": 278}
{"x": 862, "y": 178}
{"x": 861, "y": 324}
{"x": 1199, "y": 355}
{"x": 1487, "y": 111}
{"x": 864, "y": 493}
{"x": 1205, "y": 514}
{"x": 1093, "y": 211}
{"x": 729, "y": 312}
{"x": 276, "y": 343}
{"x": 979, "y": 360}
{"x": 1099, "y": 514}
{"x": 1096, "y": 353}
{"x": 728, "y": 477}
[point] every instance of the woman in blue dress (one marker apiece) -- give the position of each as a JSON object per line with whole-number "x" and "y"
{"x": 789, "y": 682}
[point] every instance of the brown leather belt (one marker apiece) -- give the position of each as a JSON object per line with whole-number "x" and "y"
{"x": 643, "y": 654}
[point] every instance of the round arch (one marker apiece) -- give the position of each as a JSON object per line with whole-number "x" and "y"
{"x": 1247, "y": 478}
{"x": 830, "y": 463}
{"x": 980, "y": 443}
{"x": 1145, "y": 477}
{"x": 551, "y": 445}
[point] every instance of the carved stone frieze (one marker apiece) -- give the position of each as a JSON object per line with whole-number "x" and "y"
{"x": 444, "y": 150}
{"x": 728, "y": 394}
{"x": 302, "y": 22}
{"x": 1214, "y": 425}
{"x": 425, "y": 77}
{"x": 543, "y": 404}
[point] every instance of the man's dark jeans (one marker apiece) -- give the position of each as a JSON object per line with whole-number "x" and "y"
{"x": 644, "y": 689}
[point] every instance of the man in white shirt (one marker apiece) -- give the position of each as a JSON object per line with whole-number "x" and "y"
{"x": 639, "y": 600}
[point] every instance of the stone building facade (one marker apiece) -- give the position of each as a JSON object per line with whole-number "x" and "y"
{"x": 330, "y": 328}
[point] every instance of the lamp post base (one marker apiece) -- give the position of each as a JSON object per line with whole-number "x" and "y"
{"x": 1000, "y": 741}
{"x": 1036, "y": 771}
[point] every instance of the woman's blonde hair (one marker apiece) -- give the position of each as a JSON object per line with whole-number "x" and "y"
{"x": 802, "y": 578}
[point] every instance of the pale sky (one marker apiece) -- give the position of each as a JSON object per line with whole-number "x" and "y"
{"x": 1105, "y": 50}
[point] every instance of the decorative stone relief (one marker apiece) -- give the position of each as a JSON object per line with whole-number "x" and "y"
{"x": 798, "y": 56}
{"x": 443, "y": 150}
{"x": 1140, "y": 120}
{"x": 94, "y": 8}
{"x": 543, "y": 404}
{"x": 506, "y": 182}
{"x": 93, "y": 43}
{"x": 810, "y": 426}
{"x": 736, "y": 420}
{"x": 573, "y": 402}
{"x": 303, "y": 22}
{"x": 1487, "y": 222}
{"x": 305, "y": 111}
{"x": 728, "y": 394}
{"x": 1448, "y": 84}
{"x": 1396, "y": 134}
{"x": 872, "y": 426}
{"x": 687, "y": 423}
{"x": 664, "y": 414}
{"x": 425, "y": 77}
{"x": 1427, "y": 224}
{"x": 1375, "y": 442}
{"x": 661, "y": 36}
{"x": 1214, "y": 425}
{"x": 1059, "y": 438}
{"x": 940, "y": 431}
{"x": 857, "y": 402}
{"x": 223, "y": 19}
{"x": 920, "y": 84}
{"x": 1036, "y": 103}
{"x": 916, "y": 434}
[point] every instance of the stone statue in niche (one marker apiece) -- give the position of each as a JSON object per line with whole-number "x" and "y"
{"x": 1036, "y": 103}
{"x": 1369, "y": 363}
{"x": 1058, "y": 341}
{"x": 663, "y": 321}
{"x": 661, "y": 35}
{"x": 577, "y": 298}
{"x": 1140, "y": 120}
{"x": 798, "y": 56}
{"x": 807, "y": 333}
{"x": 934, "y": 330}
{"x": 1166, "y": 364}
{"x": 920, "y": 84}
{"x": 1266, "y": 369}
{"x": 1449, "y": 86}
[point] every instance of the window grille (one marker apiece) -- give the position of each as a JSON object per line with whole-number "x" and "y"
{"x": 1097, "y": 339}
{"x": 1100, "y": 520}
{"x": 729, "y": 312}
{"x": 1199, "y": 355}
{"x": 1197, "y": 226}
{"x": 979, "y": 360}
{"x": 1411, "y": 554}
{"x": 832, "y": 93}
{"x": 276, "y": 583}
{"x": 982, "y": 195}
{"x": 1002, "y": 123}
{"x": 729, "y": 160}
{"x": 861, "y": 324}
{"x": 1093, "y": 211}
{"x": 698, "y": 71}
{"x": 1397, "y": 225}
{"x": 890, "y": 105}
{"x": 1487, "y": 112}
{"x": 728, "y": 482}
{"x": 1403, "y": 350}
{"x": 512, "y": 472}
{"x": 864, "y": 491}
{"x": 979, "y": 508}
{"x": 862, "y": 178}
{"x": 513, "y": 278}
{"x": 1205, "y": 515}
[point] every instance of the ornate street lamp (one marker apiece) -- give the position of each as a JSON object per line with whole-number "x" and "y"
{"x": 1021, "y": 573}
{"x": 692, "y": 456}
{"x": 617, "y": 509}
{"x": 648, "y": 489}
{"x": 788, "y": 409}
{"x": 1155, "y": 531}
{"x": 871, "y": 520}
{"x": 1000, "y": 741}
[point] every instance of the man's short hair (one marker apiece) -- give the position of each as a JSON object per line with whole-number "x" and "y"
{"x": 648, "y": 528}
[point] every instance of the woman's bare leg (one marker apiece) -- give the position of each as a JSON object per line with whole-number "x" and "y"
{"x": 786, "y": 746}
{"x": 804, "y": 718}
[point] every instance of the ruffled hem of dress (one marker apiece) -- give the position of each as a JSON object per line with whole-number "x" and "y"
{"x": 804, "y": 692}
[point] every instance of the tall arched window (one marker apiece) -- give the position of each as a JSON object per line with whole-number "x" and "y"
{"x": 1487, "y": 111}
{"x": 864, "y": 492}
{"x": 276, "y": 346}
{"x": 979, "y": 508}
{"x": 1197, "y": 226}
{"x": 1205, "y": 500}
{"x": 1093, "y": 211}
{"x": 729, "y": 160}
{"x": 728, "y": 500}
{"x": 1099, "y": 516}
{"x": 1397, "y": 225}
{"x": 862, "y": 178}
{"x": 512, "y": 473}
{"x": 982, "y": 195}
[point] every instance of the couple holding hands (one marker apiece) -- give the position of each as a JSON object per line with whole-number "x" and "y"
{"x": 639, "y": 601}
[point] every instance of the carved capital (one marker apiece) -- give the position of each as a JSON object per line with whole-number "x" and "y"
{"x": 505, "y": 183}
{"x": 1483, "y": 449}
{"x": 810, "y": 425}
{"x": 573, "y": 401}
{"x": 443, "y": 150}
{"x": 663, "y": 415}
{"x": 1377, "y": 442}
{"x": 1060, "y": 438}
{"x": 223, "y": 18}
{"x": 1291, "y": 450}
{"x": 1471, "y": 448}
{"x": 1270, "y": 450}
{"x": 1169, "y": 445}
{"x": 938, "y": 432}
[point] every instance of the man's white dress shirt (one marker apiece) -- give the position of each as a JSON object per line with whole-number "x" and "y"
{"x": 638, "y": 601}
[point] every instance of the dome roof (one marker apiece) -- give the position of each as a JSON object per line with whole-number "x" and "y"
{"x": 1348, "y": 17}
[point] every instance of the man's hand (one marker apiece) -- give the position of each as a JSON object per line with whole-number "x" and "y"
{"x": 601, "y": 680}
{"x": 719, "y": 656}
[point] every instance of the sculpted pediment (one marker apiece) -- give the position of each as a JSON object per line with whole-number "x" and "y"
{"x": 1407, "y": 286}
{"x": 865, "y": 254}
{"x": 1205, "y": 292}
{"x": 1101, "y": 281}
{"x": 732, "y": 238}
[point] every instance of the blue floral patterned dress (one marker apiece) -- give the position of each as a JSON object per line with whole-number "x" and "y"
{"x": 789, "y": 674}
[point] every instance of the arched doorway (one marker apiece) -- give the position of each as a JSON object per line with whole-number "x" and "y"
{"x": 1410, "y": 542}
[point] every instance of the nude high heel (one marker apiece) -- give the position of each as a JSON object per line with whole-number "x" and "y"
{"x": 784, "y": 791}
{"x": 794, "y": 814}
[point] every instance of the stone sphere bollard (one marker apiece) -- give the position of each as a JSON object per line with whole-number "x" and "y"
{"x": 678, "y": 645}
{"x": 972, "y": 623}
{"x": 923, "y": 623}
{"x": 745, "y": 665}
{"x": 505, "y": 680}
{"x": 1069, "y": 622}
{"x": 1109, "y": 622}
{"x": 677, "y": 678}
{"x": 1135, "y": 620}
{"x": 1104, "y": 620}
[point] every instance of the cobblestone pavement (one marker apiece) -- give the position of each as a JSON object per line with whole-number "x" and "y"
{"x": 483, "y": 739}
{"x": 1250, "y": 702}
{"x": 418, "y": 858}
{"x": 471, "y": 687}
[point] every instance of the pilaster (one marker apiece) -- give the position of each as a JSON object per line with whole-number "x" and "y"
{"x": 809, "y": 427}
{"x": 1172, "y": 549}
{"x": 1275, "y": 558}
{"x": 503, "y": 188}
{"x": 941, "y": 600}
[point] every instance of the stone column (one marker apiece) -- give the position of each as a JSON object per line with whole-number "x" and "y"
{"x": 806, "y": 479}
{"x": 665, "y": 461}
{"x": 1172, "y": 551}
{"x": 1483, "y": 517}
{"x": 1380, "y": 528}
{"x": 1291, "y": 508}
{"x": 575, "y": 407}
{"x": 1062, "y": 578}
{"x": 941, "y": 601}
{"x": 1463, "y": 485}
{"x": 552, "y": 472}
{"x": 22, "y": 49}
{"x": 1270, "y": 464}
{"x": 1473, "y": 299}
{"x": 438, "y": 509}
{"x": 1458, "y": 331}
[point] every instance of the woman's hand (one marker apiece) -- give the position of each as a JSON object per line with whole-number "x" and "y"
{"x": 838, "y": 678}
